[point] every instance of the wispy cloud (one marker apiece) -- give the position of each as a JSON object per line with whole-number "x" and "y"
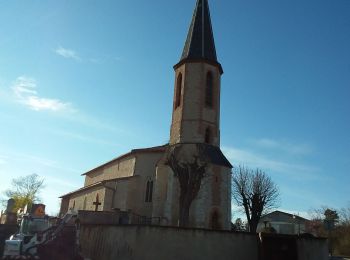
{"x": 85, "y": 138}
{"x": 67, "y": 53}
{"x": 24, "y": 89}
{"x": 254, "y": 159}
{"x": 50, "y": 180}
{"x": 284, "y": 146}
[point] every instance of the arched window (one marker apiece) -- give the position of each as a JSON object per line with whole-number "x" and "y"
{"x": 207, "y": 138}
{"x": 84, "y": 204}
{"x": 178, "y": 91}
{"x": 73, "y": 204}
{"x": 209, "y": 90}
{"x": 149, "y": 191}
{"x": 215, "y": 220}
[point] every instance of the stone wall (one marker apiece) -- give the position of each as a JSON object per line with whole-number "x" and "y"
{"x": 116, "y": 169}
{"x": 146, "y": 170}
{"x": 148, "y": 242}
{"x": 214, "y": 196}
{"x": 312, "y": 249}
{"x": 84, "y": 200}
{"x": 134, "y": 242}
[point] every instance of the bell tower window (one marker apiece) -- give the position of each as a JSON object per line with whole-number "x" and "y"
{"x": 209, "y": 90}
{"x": 178, "y": 91}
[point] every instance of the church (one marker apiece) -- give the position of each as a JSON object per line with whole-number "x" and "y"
{"x": 140, "y": 182}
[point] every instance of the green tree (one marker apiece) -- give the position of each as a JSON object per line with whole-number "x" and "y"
{"x": 25, "y": 190}
{"x": 239, "y": 225}
{"x": 334, "y": 224}
{"x": 331, "y": 217}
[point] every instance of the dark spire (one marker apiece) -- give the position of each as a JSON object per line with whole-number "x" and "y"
{"x": 200, "y": 40}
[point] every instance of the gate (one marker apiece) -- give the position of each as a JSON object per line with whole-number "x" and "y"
{"x": 278, "y": 247}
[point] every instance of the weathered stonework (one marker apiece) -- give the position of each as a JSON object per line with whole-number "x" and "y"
{"x": 191, "y": 119}
{"x": 140, "y": 182}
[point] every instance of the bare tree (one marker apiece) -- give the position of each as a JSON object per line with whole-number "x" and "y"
{"x": 345, "y": 215}
{"x": 25, "y": 190}
{"x": 188, "y": 163}
{"x": 255, "y": 192}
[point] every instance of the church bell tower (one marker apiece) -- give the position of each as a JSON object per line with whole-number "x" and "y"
{"x": 196, "y": 106}
{"x": 195, "y": 132}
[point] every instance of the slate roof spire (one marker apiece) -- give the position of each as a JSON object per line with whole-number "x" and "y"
{"x": 200, "y": 40}
{"x": 200, "y": 45}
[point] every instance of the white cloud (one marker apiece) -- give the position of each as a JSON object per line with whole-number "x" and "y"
{"x": 285, "y": 146}
{"x": 24, "y": 89}
{"x": 254, "y": 159}
{"x": 67, "y": 53}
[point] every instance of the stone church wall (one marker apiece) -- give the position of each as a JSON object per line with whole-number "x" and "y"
{"x": 84, "y": 199}
{"x": 146, "y": 170}
{"x": 214, "y": 196}
{"x": 117, "y": 169}
{"x": 163, "y": 173}
{"x": 120, "y": 195}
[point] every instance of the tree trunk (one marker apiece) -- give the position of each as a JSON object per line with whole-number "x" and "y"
{"x": 184, "y": 211}
{"x": 253, "y": 225}
{"x": 254, "y": 221}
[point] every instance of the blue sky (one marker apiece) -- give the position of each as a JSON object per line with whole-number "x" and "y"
{"x": 82, "y": 82}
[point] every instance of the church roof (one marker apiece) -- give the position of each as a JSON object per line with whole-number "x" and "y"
{"x": 216, "y": 156}
{"x": 200, "y": 39}
{"x": 211, "y": 153}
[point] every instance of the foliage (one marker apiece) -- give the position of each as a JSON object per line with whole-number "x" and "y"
{"x": 239, "y": 225}
{"x": 25, "y": 190}
{"x": 255, "y": 192}
{"x": 338, "y": 232}
{"x": 331, "y": 215}
{"x": 189, "y": 164}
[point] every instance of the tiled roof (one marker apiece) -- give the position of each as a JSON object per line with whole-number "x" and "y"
{"x": 200, "y": 40}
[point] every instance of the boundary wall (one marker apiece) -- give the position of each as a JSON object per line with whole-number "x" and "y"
{"x": 134, "y": 242}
